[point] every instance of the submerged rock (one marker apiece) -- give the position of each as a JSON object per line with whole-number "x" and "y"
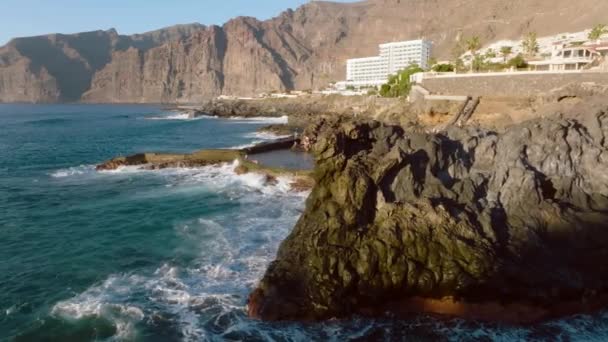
{"x": 510, "y": 226}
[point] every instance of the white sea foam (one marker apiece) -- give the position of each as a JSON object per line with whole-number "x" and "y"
{"x": 11, "y": 310}
{"x": 261, "y": 119}
{"x": 251, "y": 144}
{"x": 252, "y": 120}
{"x": 90, "y": 170}
{"x": 259, "y": 137}
{"x": 126, "y": 169}
{"x": 176, "y": 116}
{"x": 233, "y": 250}
{"x": 73, "y": 171}
{"x": 109, "y": 301}
{"x": 219, "y": 178}
{"x": 266, "y": 136}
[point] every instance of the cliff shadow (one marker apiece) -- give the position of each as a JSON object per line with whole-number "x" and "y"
{"x": 287, "y": 72}
{"x": 72, "y": 73}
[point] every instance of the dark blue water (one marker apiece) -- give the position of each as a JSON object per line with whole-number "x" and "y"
{"x": 160, "y": 255}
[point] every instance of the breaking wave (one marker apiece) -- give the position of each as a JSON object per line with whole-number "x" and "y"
{"x": 205, "y": 298}
{"x": 74, "y": 171}
{"x": 263, "y": 136}
{"x": 176, "y": 116}
{"x": 261, "y": 119}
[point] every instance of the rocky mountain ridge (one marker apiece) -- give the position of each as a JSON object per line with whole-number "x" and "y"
{"x": 300, "y": 49}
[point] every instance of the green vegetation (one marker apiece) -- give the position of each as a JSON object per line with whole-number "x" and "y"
{"x": 505, "y": 52}
{"x": 458, "y": 50}
{"x": 518, "y": 62}
{"x": 372, "y": 92}
{"x": 478, "y": 63}
{"x": 459, "y": 65}
{"x": 483, "y": 61}
{"x": 443, "y": 68}
{"x": 530, "y": 44}
{"x": 598, "y": 31}
{"x": 472, "y": 45}
{"x": 399, "y": 85}
{"x": 432, "y": 63}
{"x": 350, "y": 87}
{"x": 490, "y": 54}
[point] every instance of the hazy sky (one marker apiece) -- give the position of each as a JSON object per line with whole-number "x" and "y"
{"x": 19, "y": 18}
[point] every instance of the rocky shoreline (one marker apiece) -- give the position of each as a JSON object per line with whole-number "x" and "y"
{"x": 304, "y": 110}
{"x": 507, "y": 226}
{"x": 244, "y": 160}
{"x": 501, "y": 222}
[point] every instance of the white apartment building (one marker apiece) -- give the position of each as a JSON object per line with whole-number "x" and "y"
{"x": 374, "y": 71}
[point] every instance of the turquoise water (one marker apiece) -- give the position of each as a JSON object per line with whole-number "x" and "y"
{"x": 160, "y": 255}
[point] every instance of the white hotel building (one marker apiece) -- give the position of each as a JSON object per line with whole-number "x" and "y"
{"x": 374, "y": 71}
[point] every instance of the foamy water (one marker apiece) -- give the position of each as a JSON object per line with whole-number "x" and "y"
{"x": 177, "y": 116}
{"x": 261, "y": 120}
{"x": 73, "y": 171}
{"x": 235, "y": 249}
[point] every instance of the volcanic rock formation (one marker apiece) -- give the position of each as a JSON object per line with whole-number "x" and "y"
{"x": 510, "y": 226}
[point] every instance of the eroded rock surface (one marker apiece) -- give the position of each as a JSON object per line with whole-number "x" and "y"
{"x": 471, "y": 223}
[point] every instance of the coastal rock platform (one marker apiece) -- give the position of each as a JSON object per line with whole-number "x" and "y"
{"x": 245, "y": 160}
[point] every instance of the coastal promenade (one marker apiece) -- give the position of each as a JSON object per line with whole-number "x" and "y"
{"x": 524, "y": 83}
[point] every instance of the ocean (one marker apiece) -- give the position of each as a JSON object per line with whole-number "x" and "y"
{"x": 167, "y": 255}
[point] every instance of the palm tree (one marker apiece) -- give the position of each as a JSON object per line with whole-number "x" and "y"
{"x": 506, "y": 51}
{"x": 530, "y": 44}
{"x": 473, "y": 45}
{"x": 597, "y": 32}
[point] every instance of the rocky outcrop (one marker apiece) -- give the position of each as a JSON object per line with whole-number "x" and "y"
{"x": 244, "y": 159}
{"x": 161, "y": 161}
{"x": 510, "y": 226}
{"x": 302, "y": 49}
{"x": 305, "y": 109}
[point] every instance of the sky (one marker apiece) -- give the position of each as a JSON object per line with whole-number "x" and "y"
{"x": 20, "y": 18}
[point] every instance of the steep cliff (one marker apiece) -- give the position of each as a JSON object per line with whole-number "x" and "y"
{"x": 61, "y": 68}
{"x": 300, "y": 49}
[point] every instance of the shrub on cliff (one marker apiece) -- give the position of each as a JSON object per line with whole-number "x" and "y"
{"x": 399, "y": 85}
{"x": 443, "y": 68}
{"x": 517, "y": 62}
{"x": 385, "y": 90}
{"x": 597, "y": 32}
{"x": 530, "y": 44}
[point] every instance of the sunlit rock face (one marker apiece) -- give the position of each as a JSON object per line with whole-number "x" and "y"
{"x": 470, "y": 223}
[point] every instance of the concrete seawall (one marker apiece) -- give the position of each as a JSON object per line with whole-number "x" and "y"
{"x": 508, "y": 84}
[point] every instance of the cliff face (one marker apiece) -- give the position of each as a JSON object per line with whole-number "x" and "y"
{"x": 177, "y": 70}
{"x": 301, "y": 49}
{"x": 20, "y": 81}
{"x": 62, "y": 68}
